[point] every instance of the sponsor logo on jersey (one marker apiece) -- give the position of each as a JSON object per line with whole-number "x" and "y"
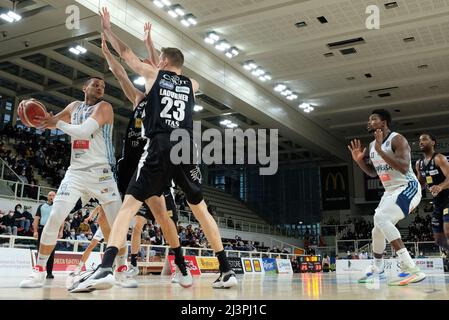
{"x": 433, "y": 172}
{"x": 196, "y": 174}
{"x": 105, "y": 190}
{"x": 446, "y": 211}
{"x": 81, "y": 144}
{"x": 175, "y": 79}
{"x": 167, "y": 85}
{"x": 185, "y": 90}
{"x": 62, "y": 191}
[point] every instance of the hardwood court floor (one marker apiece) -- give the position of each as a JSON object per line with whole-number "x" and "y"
{"x": 320, "y": 286}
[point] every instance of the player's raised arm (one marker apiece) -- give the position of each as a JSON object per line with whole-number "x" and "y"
{"x": 152, "y": 52}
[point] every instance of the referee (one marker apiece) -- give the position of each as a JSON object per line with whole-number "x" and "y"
{"x": 42, "y": 215}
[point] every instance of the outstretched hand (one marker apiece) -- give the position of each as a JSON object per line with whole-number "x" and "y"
{"x": 105, "y": 18}
{"x": 147, "y": 32}
{"x": 104, "y": 45}
{"x": 357, "y": 150}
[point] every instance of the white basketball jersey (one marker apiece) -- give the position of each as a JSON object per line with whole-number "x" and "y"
{"x": 98, "y": 149}
{"x": 391, "y": 178}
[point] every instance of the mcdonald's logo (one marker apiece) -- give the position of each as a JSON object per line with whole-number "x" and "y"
{"x": 335, "y": 179}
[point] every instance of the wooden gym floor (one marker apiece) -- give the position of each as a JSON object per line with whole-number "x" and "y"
{"x": 320, "y": 286}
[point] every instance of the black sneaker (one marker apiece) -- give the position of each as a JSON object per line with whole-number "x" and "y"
{"x": 225, "y": 280}
{"x": 100, "y": 279}
{"x": 50, "y": 276}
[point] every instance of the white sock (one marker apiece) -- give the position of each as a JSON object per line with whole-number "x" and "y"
{"x": 405, "y": 258}
{"x": 42, "y": 261}
{"x": 121, "y": 261}
{"x": 379, "y": 263}
{"x": 79, "y": 267}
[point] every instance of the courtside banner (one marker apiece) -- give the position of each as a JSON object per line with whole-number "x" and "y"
{"x": 208, "y": 264}
{"x": 247, "y": 265}
{"x": 68, "y": 261}
{"x": 284, "y": 266}
{"x": 257, "y": 265}
{"x": 269, "y": 265}
{"x": 427, "y": 265}
{"x": 236, "y": 264}
{"x": 191, "y": 262}
{"x": 15, "y": 262}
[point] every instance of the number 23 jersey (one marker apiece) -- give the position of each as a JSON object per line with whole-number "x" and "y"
{"x": 169, "y": 105}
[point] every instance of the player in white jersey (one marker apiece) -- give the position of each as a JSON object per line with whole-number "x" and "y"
{"x": 389, "y": 158}
{"x": 89, "y": 124}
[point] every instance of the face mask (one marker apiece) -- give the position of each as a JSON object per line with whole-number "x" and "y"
{"x": 72, "y": 234}
{"x": 89, "y": 237}
{"x": 19, "y": 210}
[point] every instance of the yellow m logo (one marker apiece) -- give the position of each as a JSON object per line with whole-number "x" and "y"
{"x": 335, "y": 178}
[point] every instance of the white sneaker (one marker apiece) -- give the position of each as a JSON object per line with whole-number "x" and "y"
{"x": 184, "y": 281}
{"x": 124, "y": 278}
{"x": 133, "y": 271}
{"x": 73, "y": 277}
{"x": 35, "y": 280}
{"x": 225, "y": 280}
{"x": 372, "y": 272}
{"x": 100, "y": 279}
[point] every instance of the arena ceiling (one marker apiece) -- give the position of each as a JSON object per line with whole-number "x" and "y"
{"x": 403, "y": 66}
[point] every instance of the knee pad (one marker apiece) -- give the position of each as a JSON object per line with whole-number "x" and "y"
{"x": 389, "y": 230}
{"x": 379, "y": 244}
{"x": 59, "y": 213}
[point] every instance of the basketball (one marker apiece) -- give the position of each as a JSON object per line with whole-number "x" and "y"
{"x": 28, "y": 110}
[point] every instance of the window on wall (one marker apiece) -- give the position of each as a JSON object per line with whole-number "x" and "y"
{"x": 8, "y": 105}
{"x": 7, "y": 118}
{"x": 220, "y": 182}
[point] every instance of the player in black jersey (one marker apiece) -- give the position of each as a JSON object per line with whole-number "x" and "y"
{"x": 133, "y": 147}
{"x": 169, "y": 106}
{"x": 433, "y": 172}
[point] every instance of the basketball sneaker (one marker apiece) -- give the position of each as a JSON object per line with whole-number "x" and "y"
{"x": 100, "y": 279}
{"x": 133, "y": 271}
{"x": 225, "y": 280}
{"x": 124, "y": 278}
{"x": 408, "y": 275}
{"x": 372, "y": 273}
{"x": 185, "y": 279}
{"x": 35, "y": 280}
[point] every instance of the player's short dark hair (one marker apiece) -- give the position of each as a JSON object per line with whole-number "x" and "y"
{"x": 431, "y": 136}
{"x": 384, "y": 115}
{"x": 174, "y": 55}
{"x": 87, "y": 82}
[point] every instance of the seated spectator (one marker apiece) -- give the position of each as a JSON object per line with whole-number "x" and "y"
{"x": 9, "y": 221}
{"x": 22, "y": 223}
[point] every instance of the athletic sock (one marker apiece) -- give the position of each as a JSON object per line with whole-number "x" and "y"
{"x": 42, "y": 260}
{"x": 134, "y": 259}
{"x": 223, "y": 261}
{"x": 405, "y": 258}
{"x": 109, "y": 255}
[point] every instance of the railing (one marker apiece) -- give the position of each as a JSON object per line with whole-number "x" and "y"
{"x": 239, "y": 224}
{"x": 147, "y": 250}
{"x": 23, "y": 191}
{"x": 7, "y": 173}
{"x": 427, "y": 248}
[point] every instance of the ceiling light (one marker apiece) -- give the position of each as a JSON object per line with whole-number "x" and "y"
{"x": 255, "y": 73}
{"x": 172, "y": 13}
{"x": 166, "y": 2}
{"x": 225, "y": 122}
{"x": 213, "y": 36}
{"x": 139, "y": 81}
{"x": 260, "y": 71}
{"x": 198, "y": 108}
{"x": 286, "y": 92}
{"x": 247, "y": 66}
{"x": 234, "y": 51}
{"x": 229, "y": 55}
{"x": 232, "y": 125}
{"x": 179, "y": 10}
{"x": 280, "y": 87}
{"x": 222, "y": 45}
{"x": 267, "y": 76}
{"x": 158, "y": 3}
{"x": 14, "y": 15}
{"x": 81, "y": 49}
{"x": 209, "y": 40}
{"x": 252, "y": 65}
{"x": 6, "y": 18}
{"x": 191, "y": 19}
{"x": 307, "y": 110}
{"x": 262, "y": 78}
{"x": 304, "y": 105}
{"x": 292, "y": 97}
{"x": 185, "y": 22}
{"x": 74, "y": 51}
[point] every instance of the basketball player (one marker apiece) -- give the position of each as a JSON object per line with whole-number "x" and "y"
{"x": 433, "y": 171}
{"x": 389, "y": 158}
{"x": 133, "y": 145}
{"x": 169, "y": 102}
{"x": 40, "y": 219}
{"x": 89, "y": 123}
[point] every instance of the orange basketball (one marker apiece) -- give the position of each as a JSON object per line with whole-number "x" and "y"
{"x": 28, "y": 110}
